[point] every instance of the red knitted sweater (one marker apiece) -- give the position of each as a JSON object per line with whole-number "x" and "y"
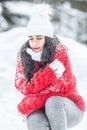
{"x": 45, "y": 84}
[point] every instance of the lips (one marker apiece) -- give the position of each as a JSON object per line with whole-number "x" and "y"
{"x": 36, "y": 48}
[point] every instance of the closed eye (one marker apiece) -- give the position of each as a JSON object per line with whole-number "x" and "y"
{"x": 39, "y": 38}
{"x": 30, "y": 38}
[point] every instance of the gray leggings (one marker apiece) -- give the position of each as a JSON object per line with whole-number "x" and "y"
{"x": 59, "y": 113}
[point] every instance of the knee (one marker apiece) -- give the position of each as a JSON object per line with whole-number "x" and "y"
{"x": 35, "y": 117}
{"x": 37, "y": 120}
{"x": 54, "y": 102}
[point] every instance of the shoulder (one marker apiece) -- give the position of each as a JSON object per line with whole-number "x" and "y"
{"x": 61, "y": 47}
{"x": 61, "y": 51}
{"x": 19, "y": 61}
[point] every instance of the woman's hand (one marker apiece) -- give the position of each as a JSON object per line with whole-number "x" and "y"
{"x": 57, "y": 67}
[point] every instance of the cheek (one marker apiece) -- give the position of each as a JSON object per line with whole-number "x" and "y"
{"x": 30, "y": 44}
{"x": 41, "y": 45}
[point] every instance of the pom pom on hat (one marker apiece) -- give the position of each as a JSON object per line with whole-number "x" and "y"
{"x": 42, "y": 10}
{"x": 39, "y": 23}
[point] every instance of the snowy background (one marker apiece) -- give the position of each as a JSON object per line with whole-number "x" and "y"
{"x": 10, "y": 43}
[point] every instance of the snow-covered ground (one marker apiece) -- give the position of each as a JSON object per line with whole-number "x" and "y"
{"x": 10, "y": 43}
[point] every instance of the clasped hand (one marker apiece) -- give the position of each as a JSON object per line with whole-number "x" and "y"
{"x": 57, "y": 67}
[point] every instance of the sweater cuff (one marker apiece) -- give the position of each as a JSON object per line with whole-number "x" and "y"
{"x": 49, "y": 74}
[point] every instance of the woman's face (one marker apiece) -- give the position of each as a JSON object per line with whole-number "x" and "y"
{"x": 37, "y": 42}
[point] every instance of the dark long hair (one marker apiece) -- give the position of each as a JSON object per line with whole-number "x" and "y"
{"x": 47, "y": 56}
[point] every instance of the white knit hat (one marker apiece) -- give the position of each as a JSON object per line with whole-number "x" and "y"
{"x": 39, "y": 23}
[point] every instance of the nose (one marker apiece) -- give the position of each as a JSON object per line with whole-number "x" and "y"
{"x": 35, "y": 43}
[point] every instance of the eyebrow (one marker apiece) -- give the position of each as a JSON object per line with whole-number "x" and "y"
{"x": 36, "y": 36}
{"x": 39, "y": 36}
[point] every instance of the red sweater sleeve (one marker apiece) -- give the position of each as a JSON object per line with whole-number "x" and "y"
{"x": 67, "y": 82}
{"x": 40, "y": 80}
{"x": 32, "y": 102}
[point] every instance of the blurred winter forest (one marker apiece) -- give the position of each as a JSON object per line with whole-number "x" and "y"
{"x": 69, "y": 16}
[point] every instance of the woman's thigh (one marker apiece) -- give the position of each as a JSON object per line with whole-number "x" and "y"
{"x": 73, "y": 113}
{"x": 65, "y": 111}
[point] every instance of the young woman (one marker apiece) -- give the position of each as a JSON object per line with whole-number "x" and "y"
{"x": 44, "y": 75}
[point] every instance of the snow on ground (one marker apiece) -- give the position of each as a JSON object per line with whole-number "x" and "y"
{"x": 10, "y": 43}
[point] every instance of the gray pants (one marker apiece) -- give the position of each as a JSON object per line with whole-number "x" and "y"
{"x": 59, "y": 113}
